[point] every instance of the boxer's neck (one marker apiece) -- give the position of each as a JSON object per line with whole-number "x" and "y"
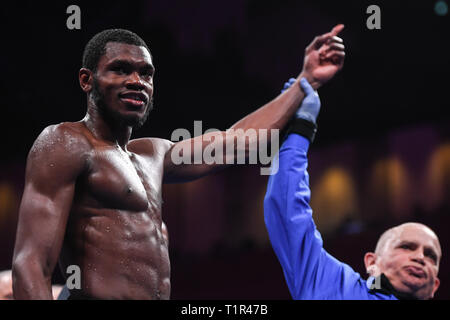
{"x": 107, "y": 129}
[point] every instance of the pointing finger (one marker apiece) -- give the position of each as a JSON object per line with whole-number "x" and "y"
{"x": 338, "y": 28}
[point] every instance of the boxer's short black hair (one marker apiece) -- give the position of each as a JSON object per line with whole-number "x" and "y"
{"x": 96, "y": 47}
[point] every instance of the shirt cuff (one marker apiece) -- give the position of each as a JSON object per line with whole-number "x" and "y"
{"x": 296, "y": 141}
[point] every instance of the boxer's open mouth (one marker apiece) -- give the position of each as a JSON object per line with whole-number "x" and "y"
{"x": 137, "y": 99}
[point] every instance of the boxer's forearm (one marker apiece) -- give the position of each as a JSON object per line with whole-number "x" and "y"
{"x": 272, "y": 116}
{"x": 266, "y": 122}
{"x": 30, "y": 282}
{"x": 276, "y": 113}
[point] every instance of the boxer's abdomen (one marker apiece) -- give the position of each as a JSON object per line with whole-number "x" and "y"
{"x": 120, "y": 254}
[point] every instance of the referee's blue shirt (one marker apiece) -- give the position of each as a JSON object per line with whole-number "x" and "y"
{"x": 310, "y": 272}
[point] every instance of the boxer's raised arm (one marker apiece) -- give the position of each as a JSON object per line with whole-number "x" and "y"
{"x": 323, "y": 58}
{"x": 53, "y": 165}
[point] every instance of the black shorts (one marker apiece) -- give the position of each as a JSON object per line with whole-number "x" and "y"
{"x": 75, "y": 294}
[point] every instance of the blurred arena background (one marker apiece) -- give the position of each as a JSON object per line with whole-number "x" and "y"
{"x": 381, "y": 155}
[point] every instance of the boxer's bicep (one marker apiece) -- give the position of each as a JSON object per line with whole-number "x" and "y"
{"x": 53, "y": 166}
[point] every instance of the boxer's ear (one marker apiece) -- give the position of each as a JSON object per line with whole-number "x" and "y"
{"x": 86, "y": 77}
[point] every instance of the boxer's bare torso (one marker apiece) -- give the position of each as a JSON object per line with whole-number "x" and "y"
{"x": 114, "y": 230}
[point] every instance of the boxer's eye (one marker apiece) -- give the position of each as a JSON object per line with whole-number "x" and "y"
{"x": 147, "y": 72}
{"x": 121, "y": 68}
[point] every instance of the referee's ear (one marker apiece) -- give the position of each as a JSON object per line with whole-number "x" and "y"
{"x": 370, "y": 260}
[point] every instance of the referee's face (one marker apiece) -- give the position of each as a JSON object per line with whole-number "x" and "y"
{"x": 411, "y": 259}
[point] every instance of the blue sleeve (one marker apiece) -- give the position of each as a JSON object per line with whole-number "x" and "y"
{"x": 310, "y": 272}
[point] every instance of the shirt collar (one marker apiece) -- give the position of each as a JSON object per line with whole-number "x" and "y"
{"x": 381, "y": 284}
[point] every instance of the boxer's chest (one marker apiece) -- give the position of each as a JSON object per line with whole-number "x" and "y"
{"x": 125, "y": 181}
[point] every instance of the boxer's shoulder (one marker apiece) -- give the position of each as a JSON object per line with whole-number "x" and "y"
{"x": 150, "y": 146}
{"x": 64, "y": 141}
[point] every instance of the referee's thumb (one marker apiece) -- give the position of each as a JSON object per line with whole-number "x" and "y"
{"x": 306, "y": 86}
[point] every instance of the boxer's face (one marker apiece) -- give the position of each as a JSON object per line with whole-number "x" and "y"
{"x": 410, "y": 260}
{"x": 123, "y": 83}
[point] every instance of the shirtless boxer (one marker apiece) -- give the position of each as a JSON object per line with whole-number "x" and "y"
{"x": 92, "y": 196}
